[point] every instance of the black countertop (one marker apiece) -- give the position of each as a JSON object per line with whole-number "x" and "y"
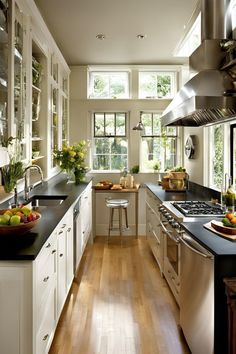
{"x": 27, "y": 246}
{"x": 219, "y": 246}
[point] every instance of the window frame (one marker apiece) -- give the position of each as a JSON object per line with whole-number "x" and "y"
{"x": 158, "y": 136}
{"x": 126, "y": 137}
{"x": 159, "y": 72}
{"x": 107, "y": 73}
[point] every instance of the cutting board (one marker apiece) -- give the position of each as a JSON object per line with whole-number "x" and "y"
{"x": 218, "y": 228}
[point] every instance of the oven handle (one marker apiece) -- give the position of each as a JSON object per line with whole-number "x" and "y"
{"x": 184, "y": 239}
{"x": 168, "y": 233}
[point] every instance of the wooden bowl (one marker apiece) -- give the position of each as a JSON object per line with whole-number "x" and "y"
{"x": 6, "y": 230}
{"x": 218, "y": 226}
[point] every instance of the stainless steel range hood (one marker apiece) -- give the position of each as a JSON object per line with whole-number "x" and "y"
{"x": 210, "y": 96}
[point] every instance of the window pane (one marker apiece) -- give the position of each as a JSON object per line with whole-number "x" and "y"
{"x": 119, "y": 146}
{"x": 101, "y": 162}
{"x": 156, "y": 84}
{"x": 102, "y": 146}
{"x": 156, "y": 124}
{"x": 110, "y": 124}
{"x": 99, "y": 124}
{"x": 118, "y": 162}
{"x": 121, "y": 124}
{"x": 218, "y": 157}
{"x": 109, "y": 85}
{"x": 100, "y": 86}
{"x": 118, "y": 83}
{"x": 163, "y": 85}
{"x": 147, "y": 85}
{"x": 147, "y": 122}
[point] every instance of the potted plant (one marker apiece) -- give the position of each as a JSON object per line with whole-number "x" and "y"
{"x": 13, "y": 171}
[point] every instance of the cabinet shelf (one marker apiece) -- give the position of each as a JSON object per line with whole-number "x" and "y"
{"x": 37, "y": 158}
{"x": 36, "y": 88}
{"x": 35, "y": 138}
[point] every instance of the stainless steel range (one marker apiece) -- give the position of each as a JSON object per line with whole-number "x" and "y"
{"x": 189, "y": 271}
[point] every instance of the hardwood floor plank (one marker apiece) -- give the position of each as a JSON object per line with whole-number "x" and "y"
{"x": 120, "y": 304}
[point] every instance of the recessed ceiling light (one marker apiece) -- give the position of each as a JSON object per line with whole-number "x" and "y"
{"x": 100, "y": 36}
{"x": 141, "y": 36}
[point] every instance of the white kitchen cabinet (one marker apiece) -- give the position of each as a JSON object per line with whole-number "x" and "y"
{"x": 153, "y": 229}
{"x": 65, "y": 254}
{"x": 34, "y": 111}
{"x": 86, "y": 220}
{"x": 33, "y": 293}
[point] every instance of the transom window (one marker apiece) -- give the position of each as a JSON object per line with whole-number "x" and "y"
{"x": 110, "y": 143}
{"x": 108, "y": 84}
{"x": 157, "y": 84}
{"x": 158, "y": 144}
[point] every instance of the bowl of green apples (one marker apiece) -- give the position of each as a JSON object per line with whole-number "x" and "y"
{"x": 18, "y": 221}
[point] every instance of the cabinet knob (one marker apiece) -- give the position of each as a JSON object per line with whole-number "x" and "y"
{"x": 45, "y": 279}
{"x": 61, "y": 254}
{"x": 61, "y": 232}
{"x": 69, "y": 230}
{"x": 53, "y": 251}
{"x": 45, "y": 337}
{"x": 48, "y": 245}
{"x": 63, "y": 226}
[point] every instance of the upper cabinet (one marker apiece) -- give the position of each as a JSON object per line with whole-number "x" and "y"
{"x": 34, "y": 81}
{"x": 4, "y": 53}
{"x": 19, "y": 123}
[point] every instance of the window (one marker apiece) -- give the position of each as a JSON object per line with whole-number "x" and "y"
{"x": 110, "y": 143}
{"x": 158, "y": 145}
{"x": 191, "y": 41}
{"x": 217, "y": 166}
{"x": 108, "y": 84}
{"x": 157, "y": 84}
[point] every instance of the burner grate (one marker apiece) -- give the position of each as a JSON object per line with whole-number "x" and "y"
{"x": 198, "y": 208}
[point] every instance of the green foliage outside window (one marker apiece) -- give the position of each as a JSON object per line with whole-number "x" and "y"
{"x": 110, "y": 144}
{"x": 218, "y": 167}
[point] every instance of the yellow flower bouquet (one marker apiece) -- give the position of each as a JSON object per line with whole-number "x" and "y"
{"x": 72, "y": 159}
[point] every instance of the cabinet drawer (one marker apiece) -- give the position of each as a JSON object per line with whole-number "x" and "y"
{"x": 46, "y": 329}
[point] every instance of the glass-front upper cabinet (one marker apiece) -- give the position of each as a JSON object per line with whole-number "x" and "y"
{"x": 19, "y": 127}
{"x": 4, "y": 52}
{"x": 64, "y": 115}
{"x": 54, "y": 110}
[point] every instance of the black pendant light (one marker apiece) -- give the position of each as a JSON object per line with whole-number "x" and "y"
{"x": 140, "y": 125}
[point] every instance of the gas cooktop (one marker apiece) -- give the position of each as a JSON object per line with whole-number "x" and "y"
{"x": 198, "y": 208}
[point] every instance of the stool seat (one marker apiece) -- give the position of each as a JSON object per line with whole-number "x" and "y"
{"x": 119, "y": 204}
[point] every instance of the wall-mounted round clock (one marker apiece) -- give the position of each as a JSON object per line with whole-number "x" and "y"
{"x": 189, "y": 147}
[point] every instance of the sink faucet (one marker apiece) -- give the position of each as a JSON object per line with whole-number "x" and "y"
{"x": 27, "y": 186}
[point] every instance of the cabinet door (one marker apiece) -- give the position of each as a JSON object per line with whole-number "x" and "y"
{"x": 61, "y": 268}
{"x": 20, "y": 122}
{"x": 86, "y": 210}
{"x": 69, "y": 251}
{"x": 4, "y": 53}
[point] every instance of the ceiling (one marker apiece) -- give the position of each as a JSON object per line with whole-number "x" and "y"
{"x": 74, "y": 25}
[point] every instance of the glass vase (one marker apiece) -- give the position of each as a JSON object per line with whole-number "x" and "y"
{"x": 70, "y": 176}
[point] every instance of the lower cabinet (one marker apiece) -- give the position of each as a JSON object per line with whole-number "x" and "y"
{"x": 32, "y": 293}
{"x": 153, "y": 229}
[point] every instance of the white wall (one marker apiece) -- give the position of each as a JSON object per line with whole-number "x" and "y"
{"x": 195, "y": 165}
{"x": 80, "y": 128}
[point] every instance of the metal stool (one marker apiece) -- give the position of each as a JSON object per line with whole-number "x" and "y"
{"x": 119, "y": 204}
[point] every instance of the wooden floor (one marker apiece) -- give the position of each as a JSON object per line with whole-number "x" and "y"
{"x": 119, "y": 304}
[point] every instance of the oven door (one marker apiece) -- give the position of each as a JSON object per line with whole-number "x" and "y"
{"x": 171, "y": 258}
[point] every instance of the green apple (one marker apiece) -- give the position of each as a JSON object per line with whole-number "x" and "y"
{"x": 15, "y": 220}
{"x": 4, "y": 220}
{"x": 26, "y": 210}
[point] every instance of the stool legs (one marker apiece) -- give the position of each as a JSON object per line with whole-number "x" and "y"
{"x": 111, "y": 216}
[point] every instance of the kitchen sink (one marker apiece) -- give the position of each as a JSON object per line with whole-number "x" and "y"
{"x": 47, "y": 200}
